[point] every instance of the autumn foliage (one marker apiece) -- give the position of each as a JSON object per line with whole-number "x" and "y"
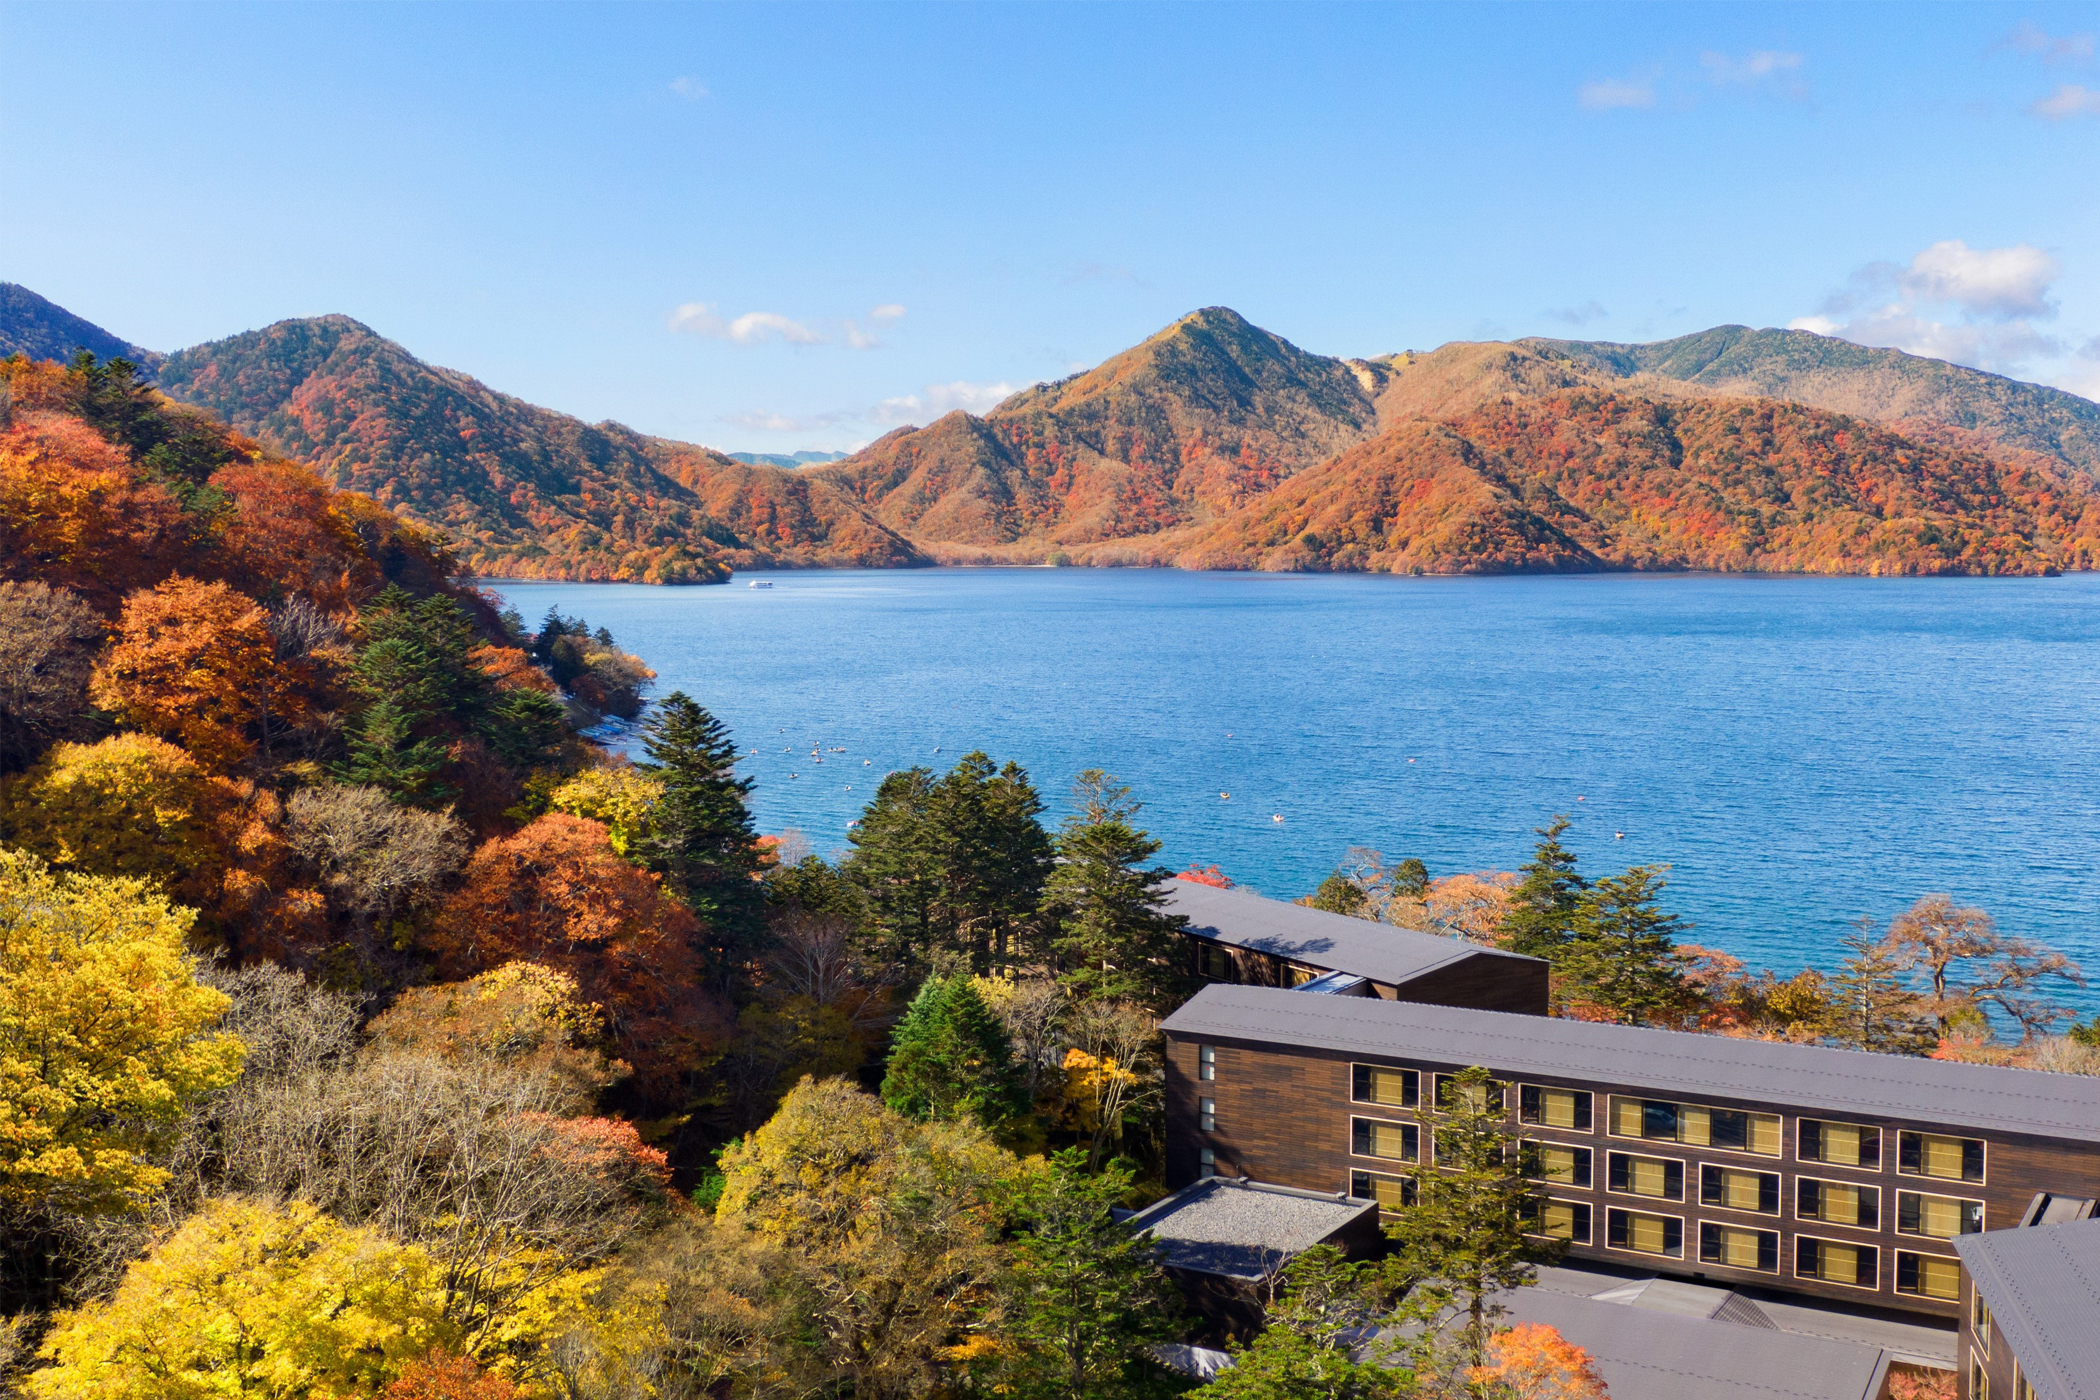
{"x": 557, "y": 894}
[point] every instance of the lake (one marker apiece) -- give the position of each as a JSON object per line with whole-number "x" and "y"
{"x": 1802, "y": 752}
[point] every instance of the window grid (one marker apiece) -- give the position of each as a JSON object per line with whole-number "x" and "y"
{"x": 1696, "y": 1125}
{"x": 1813, "y": 1257}
{"x": 1940, "y": 1156}
{"x": 1849, "y": 1145}
{"x": 1207, "y": 1114}
{"x": 1626, "y": 1173}
{"x": 1934, "y": 1217}
{"x": 1392, "y": 1193}
{"x": 1739, "y": 1247}
{"x": 1567, "y": 1110}
{"x": 1928, "y": 1275}
{"x": 1633, "y": 1231}
{"x": 1980, "y": 1322}
{"x": 1392, "y": 1142}
{"x": 1561, "y": 1220}
{"x": 1207, "y": 1062}
{"x": 1739, "y": 1188}
{"x": 1814, "y": 1197}
{"x": 1497, "y": 1096}
{"x": 1206, "y": 1163}
{"x": 1562, "y": 1164}
{"x": 1384, "y": 1085}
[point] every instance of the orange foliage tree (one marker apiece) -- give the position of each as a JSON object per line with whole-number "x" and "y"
{"x": 1532, "y": 1361}
{"x": 193, "y": 662}
{"x": 443, "y": 1376}
{"x": 556, "y": 893}
{"x": 74, "y": 514}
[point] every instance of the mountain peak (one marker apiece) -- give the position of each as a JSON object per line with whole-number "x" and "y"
{"x": 43, "y": 330}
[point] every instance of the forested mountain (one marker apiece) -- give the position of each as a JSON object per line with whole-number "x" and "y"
{"x": 1906, "y": 391}
{"x": 1219, "y": 444}
{"x": 42, "y": 330}
{"x": 1208, "y": 413}
{"x": 1587, "y": 479}
{"x": 525, "y": 492}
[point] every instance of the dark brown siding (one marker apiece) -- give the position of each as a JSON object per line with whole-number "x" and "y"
{"x": 1283, "y": 1118}
{"x": 1482, "y": 982}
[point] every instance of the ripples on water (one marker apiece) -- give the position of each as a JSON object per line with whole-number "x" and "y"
{"x": 1804, "y": 752}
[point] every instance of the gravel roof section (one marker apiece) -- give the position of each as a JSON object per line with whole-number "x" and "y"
{"x": 1648, "y": 1355}
{"x": 1334, "y": 942}
{"x": 2043, "y": 1285}
{"x": 1672, "y": 1064}
{"x": 1242, "y": 1229}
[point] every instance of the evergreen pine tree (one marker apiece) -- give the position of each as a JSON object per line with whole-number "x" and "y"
{"x": 1541, "y": 915}
{"x": 1085, "y": 1295}
{"x": 385, "y": 753}
{"x": 1463, "y": 1241}
{"x": 950, "y": 1058}
{"x": 1304, "y": 1350}
{"x": 702, "y": 841}
{"x": 995, "y": 858}
{"x": 1623, "y": 957}
{"x": 1411, "y": 878}
{"x": 1112, "y": 939}
{"x": 896, "y": 862}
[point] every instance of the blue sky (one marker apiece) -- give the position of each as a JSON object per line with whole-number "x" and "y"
{"x": 793, "y": 226}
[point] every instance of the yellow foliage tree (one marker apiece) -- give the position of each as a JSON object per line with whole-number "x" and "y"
{"x": 623, "y": 798}
{"x": 129, "y": 805}
{"x": 253, "y": 1300}
{"x": 104, "y": 1033}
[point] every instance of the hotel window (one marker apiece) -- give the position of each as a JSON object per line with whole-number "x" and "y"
{"x": 1840, "y": 1144}
{"x": 1937, "y": 1217}
{"x": 1395, "y": 1142}
{"x": 1737, "y": 1248}
{"x": 1980, "y": 1323}
{"x": 1656, "y": 1177}
{"x": 1207, "y": 1115}
{"x": 1296, "y": 976}
{"x": 1486, "y": 1096}
{"x": 1206, "y": 1062}
{"x": 1730, "y": 1129}
{"x": 1928, "y": 1275}
{"x": 1206, "y": 1163}
{"x": 1838, "y": 1203}
{"x": 1832, "y": 1262}
{"x": 1644, "y": 1234}
{"x": 1391, "y": 1192}
{"x": 1558, "y": 1220}
{"x": 1554, "y": 1108}
{"x": 1393, "y": 1088}
{"x": 1934, "y": 1154}
{"x": 1979, "y": 1379}
{"x": 1559, "y": 1164}
{"x": 2022, "y": 1389}
{"x": 1215, "y": 962}
{"x": 1734, "y": 1189}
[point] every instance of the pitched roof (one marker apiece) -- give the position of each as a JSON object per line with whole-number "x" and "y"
{"x": 1671, "y": 1064}
{"x": 2043, "y": 1285}
{"x": 1243, "y": 1229}
{"x": 1333, "y": 942}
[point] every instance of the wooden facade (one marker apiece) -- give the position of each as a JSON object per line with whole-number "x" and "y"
{"x": 1282, "y": 1113}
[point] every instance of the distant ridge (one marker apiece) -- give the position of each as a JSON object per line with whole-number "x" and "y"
{"x": 43, "y": 330}
{"x": 786, "y": 459}
{"x": 1887, "y": 386}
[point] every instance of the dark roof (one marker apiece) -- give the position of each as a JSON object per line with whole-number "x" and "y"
{"x": 1673, "y": 1064}
{"x": 1332, "y": 942}
{"x": 1243, "y": 1229}
{"x": 1650, "y": 1354}
{"x": 2043, "y": 1285}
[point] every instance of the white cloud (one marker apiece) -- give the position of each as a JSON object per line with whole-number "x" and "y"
{"x": 1971, "y": 306}
{"x": 1580, "y": 315}
{"x": 766, "y": 422}
{"x": 2030, "y": 38}
{"x": 751, "y": 328}
{"x": 888, "y": 311}
{"x": 937, "y": 400}
{"x": 1613, "y": 94}
{"x": 1994, "y": 282}
{"x": 691, "y": 89}
{"x": 1759, "y": 68}
{"x": 2069, "y": 100}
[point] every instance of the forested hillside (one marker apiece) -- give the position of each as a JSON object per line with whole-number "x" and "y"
{"x": 1588, "y": 479}
{"x": 1908, "y": 392}
{"x": 32, "y": 326}
{"x": 523, "y": 492}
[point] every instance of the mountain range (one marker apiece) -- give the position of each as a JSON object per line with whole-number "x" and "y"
{"x": 1217, "y": 444}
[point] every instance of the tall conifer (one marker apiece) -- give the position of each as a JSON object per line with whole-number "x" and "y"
{"x": 1541, "y": 916}
{"x": 703, "y": 842}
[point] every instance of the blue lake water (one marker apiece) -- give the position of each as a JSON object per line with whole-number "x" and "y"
{"x": 1802, "y": 752}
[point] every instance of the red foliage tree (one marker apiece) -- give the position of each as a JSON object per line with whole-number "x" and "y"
{"x": 556, "y": 893}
